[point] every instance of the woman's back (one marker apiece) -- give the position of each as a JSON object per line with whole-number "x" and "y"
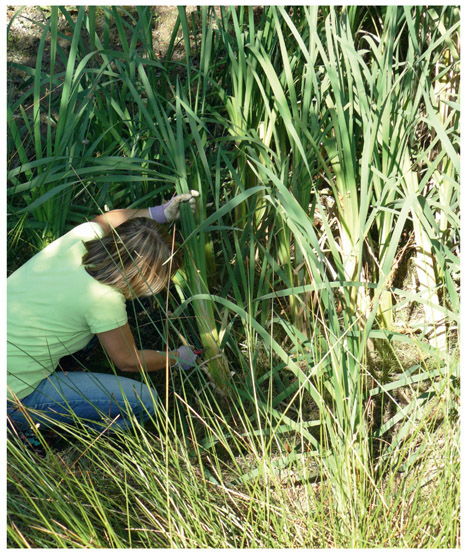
{"x": 54, "y": 308}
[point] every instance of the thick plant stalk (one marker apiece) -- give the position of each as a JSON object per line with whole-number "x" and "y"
{"x": 196, "y": 273}
{"x": 425, "y": 267}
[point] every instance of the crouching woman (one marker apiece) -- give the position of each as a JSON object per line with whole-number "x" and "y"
{"x": 77, "y": 288}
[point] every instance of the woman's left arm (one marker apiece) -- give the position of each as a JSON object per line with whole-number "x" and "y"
{"x": 168, "y": 212}
{"x": 120, "y": 346}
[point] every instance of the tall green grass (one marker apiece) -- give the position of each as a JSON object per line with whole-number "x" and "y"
{"x": 320, "y": 139}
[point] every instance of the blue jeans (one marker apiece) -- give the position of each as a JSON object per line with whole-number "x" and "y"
{"x": 93, "y": 398}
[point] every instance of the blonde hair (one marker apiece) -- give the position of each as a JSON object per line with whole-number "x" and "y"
{"x": 135, "y": 258}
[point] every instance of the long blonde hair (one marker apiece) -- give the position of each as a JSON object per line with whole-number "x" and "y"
{"x": 135, "y": 258}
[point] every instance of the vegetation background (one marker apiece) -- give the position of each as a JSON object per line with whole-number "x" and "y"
{"x": 321, "y": 276}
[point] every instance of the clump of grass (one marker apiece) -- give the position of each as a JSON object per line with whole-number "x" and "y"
{"x": 208, "y": 482}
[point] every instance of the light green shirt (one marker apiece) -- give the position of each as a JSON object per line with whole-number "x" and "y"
{"x": 54, "y": 307}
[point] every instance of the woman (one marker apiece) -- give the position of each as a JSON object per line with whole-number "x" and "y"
{"x": 76, "y": 288}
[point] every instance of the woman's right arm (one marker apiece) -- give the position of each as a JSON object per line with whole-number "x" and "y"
{"x": 162, "y": 214}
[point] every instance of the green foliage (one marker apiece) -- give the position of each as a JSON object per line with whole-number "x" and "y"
{"x": 320, "y": 139}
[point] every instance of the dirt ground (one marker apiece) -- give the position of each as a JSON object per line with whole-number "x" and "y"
{"x": 24, "y": 23}
{"x": 25, "y": 28}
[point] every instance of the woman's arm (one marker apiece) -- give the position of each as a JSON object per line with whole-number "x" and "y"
{"x": 162, "y": 214}
{"x": 114, "y": 218}
{"x": 121, "y": 348}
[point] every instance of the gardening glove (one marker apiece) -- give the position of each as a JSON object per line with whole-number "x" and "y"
{"x": 186, "y": 357}
{"x": 170, "y": 211}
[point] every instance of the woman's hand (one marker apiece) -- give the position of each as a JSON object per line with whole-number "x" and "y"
{"x": 170, "y": 211}
{"x": 186, "y": 357}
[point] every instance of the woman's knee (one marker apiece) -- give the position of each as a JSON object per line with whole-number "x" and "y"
{"x": 117, "y": 395}
{"x": 91, "y": 395}
{"x": 140, "y": 396}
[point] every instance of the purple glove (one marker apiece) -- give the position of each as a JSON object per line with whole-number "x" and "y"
{"x": 186, "y": 357}
{"x": 170, "y": 211}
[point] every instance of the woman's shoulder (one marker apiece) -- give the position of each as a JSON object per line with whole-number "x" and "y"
{"x": 78, "y": 234}
{"x": 86, "y": 231}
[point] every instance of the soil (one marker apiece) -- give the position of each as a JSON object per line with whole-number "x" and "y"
{"x": 25, "y": 31}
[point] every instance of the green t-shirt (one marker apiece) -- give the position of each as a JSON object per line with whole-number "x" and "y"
{"x": 54, "y": 307}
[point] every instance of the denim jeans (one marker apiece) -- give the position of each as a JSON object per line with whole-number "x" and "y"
{"x": 95, "y": 399}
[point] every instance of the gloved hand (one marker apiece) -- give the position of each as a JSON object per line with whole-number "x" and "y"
{"x": 170, "y": 211}
{"x": 186, "y": 357}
